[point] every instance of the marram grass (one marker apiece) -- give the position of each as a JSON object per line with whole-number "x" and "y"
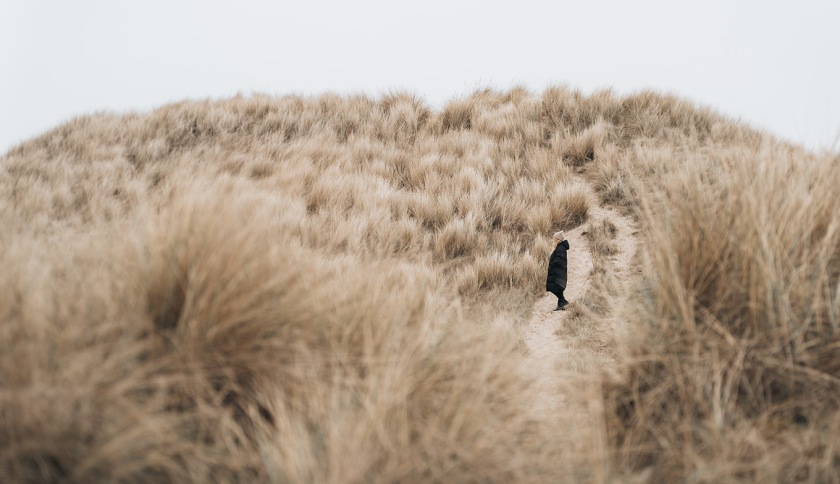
{"x": 331, "y": 289}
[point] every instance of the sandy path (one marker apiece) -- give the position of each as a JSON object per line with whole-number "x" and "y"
{"x": 548, "y": 350}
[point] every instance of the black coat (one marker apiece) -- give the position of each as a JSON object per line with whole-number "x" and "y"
{"x": 557, "y": 268}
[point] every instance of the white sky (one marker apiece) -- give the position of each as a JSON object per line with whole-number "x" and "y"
{"x": 774, "y": 64}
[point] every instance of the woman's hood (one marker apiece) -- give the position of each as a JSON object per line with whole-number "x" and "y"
{"x": 564, "y": 244}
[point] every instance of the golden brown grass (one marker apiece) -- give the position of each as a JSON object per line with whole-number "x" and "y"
{"x": 330, "y": 289}
{"x": 205, "y": 343}
{"x": 734, "y": 374}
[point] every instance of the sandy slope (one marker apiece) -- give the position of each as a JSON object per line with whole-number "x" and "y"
{"x": 548, "y": 350}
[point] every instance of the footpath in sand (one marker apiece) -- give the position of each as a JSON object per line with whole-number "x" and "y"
{"x": 548, "y": 350}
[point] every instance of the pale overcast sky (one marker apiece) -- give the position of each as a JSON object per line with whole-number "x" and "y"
{"x": 774, "y": 64}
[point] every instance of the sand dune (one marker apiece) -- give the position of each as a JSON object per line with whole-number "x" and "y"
{"x": 351, "y": 289}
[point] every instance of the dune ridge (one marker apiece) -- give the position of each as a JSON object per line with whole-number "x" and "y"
{"x": 351, "y": 289}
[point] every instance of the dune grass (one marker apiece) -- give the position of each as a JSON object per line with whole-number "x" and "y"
{"x": 732, "y": 377}
{"x": 330, "y": 289}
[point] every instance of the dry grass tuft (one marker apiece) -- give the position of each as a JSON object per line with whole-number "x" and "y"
{"x": 738, "y": 357}
{"x": 601, "y": 237}
{"x": 580, "y": 149}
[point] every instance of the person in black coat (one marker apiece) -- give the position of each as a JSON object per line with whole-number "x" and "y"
{"x": 555, "y": 283}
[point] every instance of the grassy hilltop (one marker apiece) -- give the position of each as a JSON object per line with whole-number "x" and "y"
{"x": 333, "y": 289}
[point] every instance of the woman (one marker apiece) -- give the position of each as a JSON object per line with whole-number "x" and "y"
{"x": 555, "y": 283}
